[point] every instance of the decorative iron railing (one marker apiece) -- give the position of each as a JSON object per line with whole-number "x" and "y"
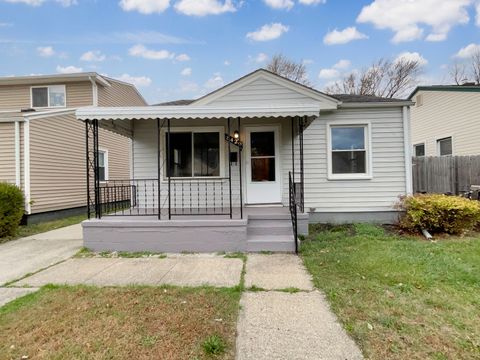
{"x": 179, "y": 197}
{"x": 293, "y": 206}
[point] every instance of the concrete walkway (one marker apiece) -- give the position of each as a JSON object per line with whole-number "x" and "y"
{"x": 282, "y": 325}
{"x": 180, "y": 270}
{"x": 32, "y": 253}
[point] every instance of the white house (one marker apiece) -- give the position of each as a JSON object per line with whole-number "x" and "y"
{"x": 250, "y": 165}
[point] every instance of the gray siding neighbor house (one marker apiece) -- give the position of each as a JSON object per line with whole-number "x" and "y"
{"x": 247, "y": 167}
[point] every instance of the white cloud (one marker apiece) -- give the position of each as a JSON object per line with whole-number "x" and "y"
{"x": 214, "y": 82}
{"x": 142, "y": 51}
{"x": 279, "y": 4}
{"x": 307, "y": 61}
{"x": 226, "y": 63}
{"x": 182, "y": 57}
{"x": 407, "y": 18}
{"x": 412, "y": 56}
{"x": 145, "y": 6}
{"x": 344, "y": 36}
{"x": 261, "y": 58}
{"x": 138, "y": 81}
{"x": 186, "y": 72}
{"x": 467, "y": 51}
{"x": 342, "y": 64}
{"x": 268, "y": 32}
{"x": 64, "y": 3}
{"x": 478, "y": 14}
{"x": 45, "y": 51}
{"x": 93, "y": 56}
{"x": 68, "y": 69}
{"x": 312, "y": 2}
{"x": 328, "y": 74}
{"x": 335, "y": 71}
{"x": 204, "y": 7}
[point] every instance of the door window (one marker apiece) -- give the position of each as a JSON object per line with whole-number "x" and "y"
{"x": 262, "y": 145}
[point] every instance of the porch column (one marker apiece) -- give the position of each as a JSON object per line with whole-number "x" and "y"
{"x": 293, "y": 149}
{"x": 169, "y": 172}
{"x": 301, "y": 125}
{"x": 240, "y": 182}
{"x": 92, "y": 164}
{"x": 229, "y": 170}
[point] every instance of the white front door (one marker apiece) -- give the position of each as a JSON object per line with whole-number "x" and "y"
{"x": 262, "y": 163}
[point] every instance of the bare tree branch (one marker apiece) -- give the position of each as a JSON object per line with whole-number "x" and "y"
{"x": 384, "y": 78}
{"x": 458, "y": 73}
{"x": 281, "y": 65}
{"x": 476, "y": 67}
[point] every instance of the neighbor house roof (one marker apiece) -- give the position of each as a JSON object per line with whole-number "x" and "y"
{"x": 176, "y": 102}
{"x": 55, "y": 78}
{"x": 349, "y": 98}
{"x": 459, "y": 88}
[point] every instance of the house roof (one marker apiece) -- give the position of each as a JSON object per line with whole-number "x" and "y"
{"x": 349, "y": 98}
{"x": 459, "y": 88}
{"x": 55, "y": 78}
{"x": 176, "y": 102}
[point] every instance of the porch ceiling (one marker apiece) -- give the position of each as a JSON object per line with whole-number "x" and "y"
{"x": 196, "y": 112}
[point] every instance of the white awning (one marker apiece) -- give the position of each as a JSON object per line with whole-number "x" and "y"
{"x": 195, "y": 112}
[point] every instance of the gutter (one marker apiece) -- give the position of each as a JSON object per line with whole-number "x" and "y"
{"x": 382, "y": 104}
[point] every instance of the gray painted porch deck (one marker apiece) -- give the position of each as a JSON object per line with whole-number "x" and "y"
{"x": 266, "y": 228}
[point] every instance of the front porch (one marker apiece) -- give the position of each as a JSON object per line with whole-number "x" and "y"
{"x": 231, "y": 184}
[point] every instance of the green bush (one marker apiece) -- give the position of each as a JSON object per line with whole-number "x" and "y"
{"x": 11, "y": 209}
{"x": 439, "y": 213}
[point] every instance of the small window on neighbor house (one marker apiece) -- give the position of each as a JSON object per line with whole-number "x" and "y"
{"x": 48, "y": 96}
{"x": 419, "y": 100}
{"x": 102, "y": 165}
{"x": 445, "y": 146}
{"x": 349, "y": 150}
{"x": 419, "y": 149}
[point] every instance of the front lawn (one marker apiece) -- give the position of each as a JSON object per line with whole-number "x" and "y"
{"x": 400, "y": 297}
{"x": 32, "y": 229}
{"x": 120, "y": 323}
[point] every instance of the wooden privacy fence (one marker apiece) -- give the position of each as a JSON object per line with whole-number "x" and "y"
{"x": 445, "y": 174}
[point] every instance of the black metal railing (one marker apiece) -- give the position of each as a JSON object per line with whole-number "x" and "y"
{"x": 193, "y": 196}
{"x": 293, "y": 206}
{"x": 202, "y": 196}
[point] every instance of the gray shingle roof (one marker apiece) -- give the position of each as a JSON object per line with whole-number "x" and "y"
{"x": 348, "y": 98}
{"x": 176, "y": 102}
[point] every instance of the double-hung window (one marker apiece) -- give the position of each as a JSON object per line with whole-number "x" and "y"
{"x": 444, "y": 146}
{"x": 102, "y": 165}
{"x": 349, "y": 153}
{"x": 48, "y": 96}
{"x": 194, "y": 153}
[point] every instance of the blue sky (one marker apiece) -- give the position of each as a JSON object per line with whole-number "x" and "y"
{"x": 175, "y": 49}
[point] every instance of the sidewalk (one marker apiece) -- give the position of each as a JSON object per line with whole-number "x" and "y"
{"x": 282, "y": 325}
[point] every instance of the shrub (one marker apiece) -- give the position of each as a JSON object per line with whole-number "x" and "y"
{"x": 439, "y": 213}
{"x": 11, "y": 209}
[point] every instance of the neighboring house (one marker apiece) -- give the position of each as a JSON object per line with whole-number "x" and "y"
{"x": 446, "y": 120}
{"x": 42, "y": 145}
{"x": 247, "y": 166}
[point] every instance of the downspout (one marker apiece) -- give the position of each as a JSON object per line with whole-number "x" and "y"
{"x": 407, "y": 150}
{"x": 26, "y": 165}
{"x": 17, "y": 154}
{"x": 94, "y": 91}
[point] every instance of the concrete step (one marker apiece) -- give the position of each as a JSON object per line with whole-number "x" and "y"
{"x": 269, "y": 227}
{"x": 282, "y": 243}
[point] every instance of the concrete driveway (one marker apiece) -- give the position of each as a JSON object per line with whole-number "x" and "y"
{"x": 32, "y": 253}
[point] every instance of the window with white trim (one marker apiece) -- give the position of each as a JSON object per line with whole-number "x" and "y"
{"x": 349, "y": 151}
{"x": 419, "y": 149}
{"x": 102, "y": 165}
{"x": 194, "y": 153}
{"x": 48, "y": 96}
{"x": 444, "y": 146}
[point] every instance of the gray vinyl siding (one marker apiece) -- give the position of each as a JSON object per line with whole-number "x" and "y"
{"x": 262, "y": 91}
{"x": 377, "y": 194}
{"x": 444, "y": 114}
{"x": 119, "y": 94}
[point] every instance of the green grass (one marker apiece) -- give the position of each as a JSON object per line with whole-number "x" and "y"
{"x": 32, "y": 229}
{"x": 141, "y": 322}
{"x": 400, "y": 297}
{"x": 86, "y": 253}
